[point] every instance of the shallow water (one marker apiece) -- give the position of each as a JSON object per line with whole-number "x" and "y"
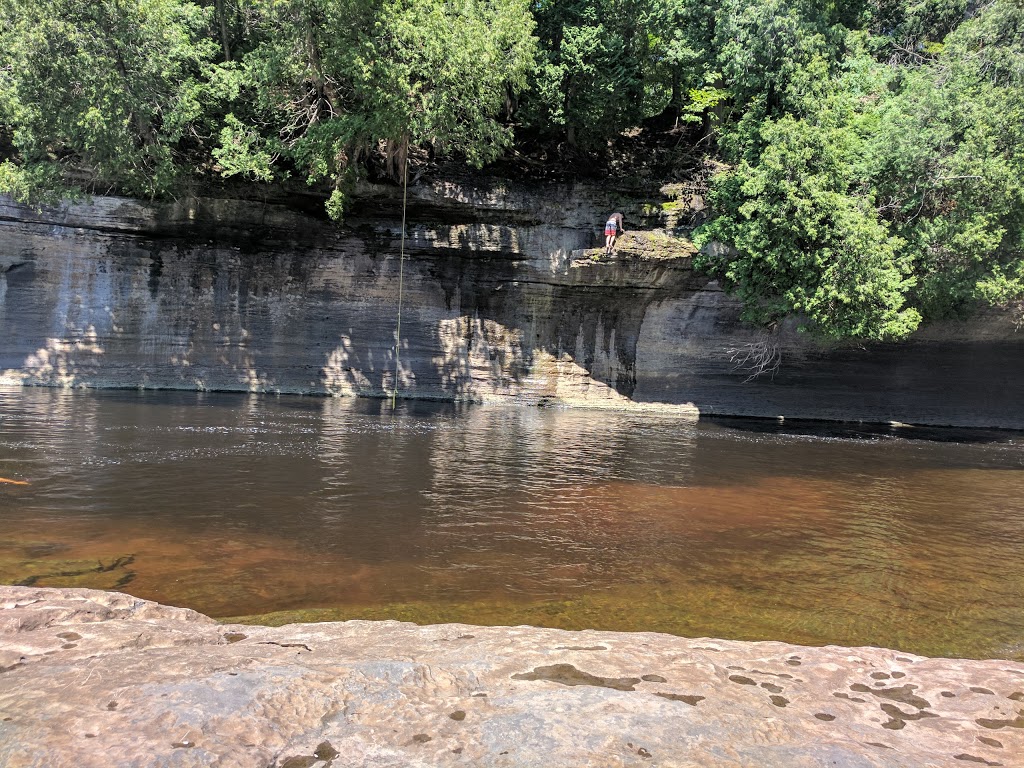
{"x": 289, "y": 508}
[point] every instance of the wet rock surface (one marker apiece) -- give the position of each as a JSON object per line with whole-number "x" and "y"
{"x": 92, "y": 678}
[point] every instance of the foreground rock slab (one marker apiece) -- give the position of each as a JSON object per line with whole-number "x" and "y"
{"x": 92, "y": 678}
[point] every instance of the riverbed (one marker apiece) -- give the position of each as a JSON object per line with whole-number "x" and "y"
{"x": 280, "y": 509}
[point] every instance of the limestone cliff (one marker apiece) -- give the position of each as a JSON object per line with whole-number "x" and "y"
{"x": 501, "y": 301}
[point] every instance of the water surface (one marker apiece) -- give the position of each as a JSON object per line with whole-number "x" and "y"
{"x": 287, "y": 508}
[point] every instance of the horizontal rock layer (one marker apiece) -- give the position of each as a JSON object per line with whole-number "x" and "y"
{"x": 501, "y": 301}
{"x": 92, "y": 678}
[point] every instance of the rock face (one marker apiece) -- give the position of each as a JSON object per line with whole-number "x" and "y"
{"x": 501, "y": 301}
{"x": 93, "y": 678}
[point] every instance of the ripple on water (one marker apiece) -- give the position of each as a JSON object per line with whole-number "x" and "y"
{"x": 485, "y": 515}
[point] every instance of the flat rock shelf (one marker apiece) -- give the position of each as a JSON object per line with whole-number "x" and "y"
{"x": 91, "y": 678}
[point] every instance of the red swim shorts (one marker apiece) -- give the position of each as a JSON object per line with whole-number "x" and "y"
{"x": 610, "y": 228}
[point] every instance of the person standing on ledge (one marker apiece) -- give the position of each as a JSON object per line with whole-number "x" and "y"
{"x": 612, "y": 228}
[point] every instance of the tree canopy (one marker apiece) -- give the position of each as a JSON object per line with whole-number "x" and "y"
{"x": 871, "y": 151}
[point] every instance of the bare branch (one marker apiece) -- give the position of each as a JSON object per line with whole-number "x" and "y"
{"x": 757, "y": 358}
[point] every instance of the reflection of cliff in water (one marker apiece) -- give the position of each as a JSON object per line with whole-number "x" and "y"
{"x": 341, "y": 507}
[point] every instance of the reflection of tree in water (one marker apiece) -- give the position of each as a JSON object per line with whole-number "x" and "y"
{"x": 72, "y": 423}
{"x": 475, "y": 513}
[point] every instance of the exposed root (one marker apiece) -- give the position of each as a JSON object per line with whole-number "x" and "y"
{"x": 757, "y": 358}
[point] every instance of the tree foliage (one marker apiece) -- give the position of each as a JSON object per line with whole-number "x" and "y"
{"x": 874, "y": 149}
{"x": 119, "y": 90}
{"x": 341, "y": 77}
{"x": 951, "y": 160}
{"x": 99, "y": 91}
{"x": 805, "y": 237}
{"x": 871, "y": 190}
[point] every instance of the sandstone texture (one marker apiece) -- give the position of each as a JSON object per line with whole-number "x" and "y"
{"x": 91, "y": 678}
{"x": 504, "y": 299}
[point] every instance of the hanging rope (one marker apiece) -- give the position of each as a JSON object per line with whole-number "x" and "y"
{"x": 401, "y": 273}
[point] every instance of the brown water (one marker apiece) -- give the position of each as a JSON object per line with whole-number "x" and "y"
{"x": 306, "y": 509}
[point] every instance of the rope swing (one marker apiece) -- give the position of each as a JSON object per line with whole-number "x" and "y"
{"x": 401, "y": 272}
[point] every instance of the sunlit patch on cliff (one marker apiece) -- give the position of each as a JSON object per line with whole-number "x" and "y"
{"x": 406, "y": 375}
{"x": 339, "y": 377}
{"x": 253, "y": 379}
{"x": 479, "y": 359}
{"x": 570, "y": 382}
{"x": 60, "y": 362}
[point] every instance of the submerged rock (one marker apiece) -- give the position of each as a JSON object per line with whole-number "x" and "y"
{"x": 91, "y": 678}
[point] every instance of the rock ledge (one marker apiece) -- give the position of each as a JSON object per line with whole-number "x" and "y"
{"x": 91, "y": 678}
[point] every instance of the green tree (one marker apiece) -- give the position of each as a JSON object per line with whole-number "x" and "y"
{"x": 99, "y": 93}
{"x": 344, "y": 78}
{"x": 950, "y": 152}
{"x": 908, "y": 30}
{"x": 805, "y": 238}
{"x": 800, "y": 217}
{"x": 606, "y": 65}
{"x": 867, "y": 195}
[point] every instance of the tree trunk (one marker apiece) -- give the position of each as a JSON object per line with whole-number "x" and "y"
{"x": 225, "y": 38}
{"x": 315, "y": 64}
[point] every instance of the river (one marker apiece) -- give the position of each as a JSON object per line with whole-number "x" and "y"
{"x": 278, "y": 509}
